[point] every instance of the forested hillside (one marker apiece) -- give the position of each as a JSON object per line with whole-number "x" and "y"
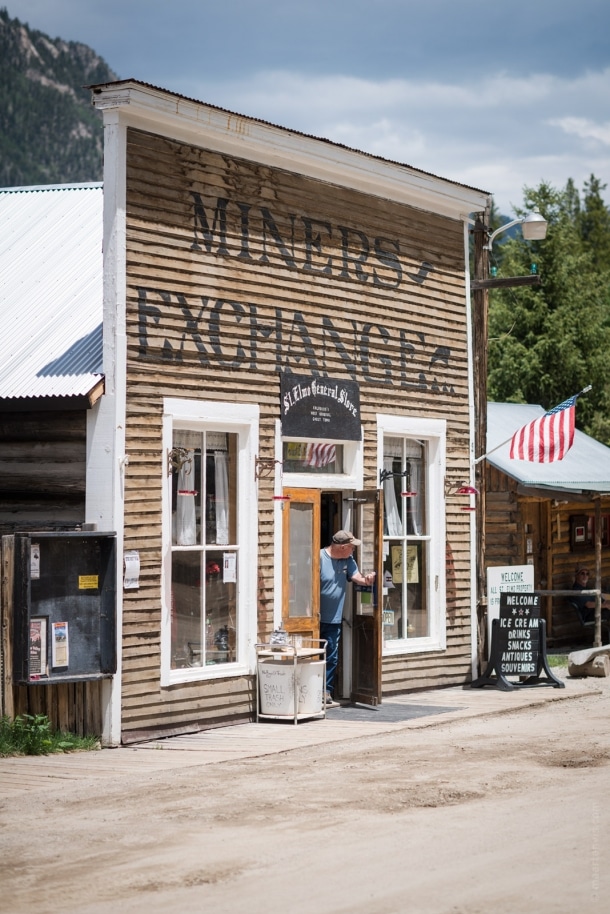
{"x": 49, "y": 132}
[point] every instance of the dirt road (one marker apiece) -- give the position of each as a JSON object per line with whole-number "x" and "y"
{"x": 503, "y": 814}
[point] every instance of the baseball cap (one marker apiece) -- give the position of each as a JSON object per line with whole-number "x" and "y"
{"x": 345, "y": 538}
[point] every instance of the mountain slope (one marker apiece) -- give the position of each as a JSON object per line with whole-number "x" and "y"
{"x": 49, "y": 132}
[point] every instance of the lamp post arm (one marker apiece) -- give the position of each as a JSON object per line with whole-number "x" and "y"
{"x": 503, "y": 228}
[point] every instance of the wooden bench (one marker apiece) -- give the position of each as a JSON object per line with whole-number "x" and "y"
{"x": 588, "y": 628}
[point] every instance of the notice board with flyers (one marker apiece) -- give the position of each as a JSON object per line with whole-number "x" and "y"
{"x": 64, "y": 602}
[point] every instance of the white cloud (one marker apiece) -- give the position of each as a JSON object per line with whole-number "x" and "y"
{"x": 446, "y": 87}
{"x": 582, "y": 127}
{"x": 501, "y": 134}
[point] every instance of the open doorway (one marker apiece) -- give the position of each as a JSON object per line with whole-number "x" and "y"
{"x": 310, "y": 519}
{"x": 359, "y": 667}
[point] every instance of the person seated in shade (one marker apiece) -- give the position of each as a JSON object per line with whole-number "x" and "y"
{"x": 586, "y": 601}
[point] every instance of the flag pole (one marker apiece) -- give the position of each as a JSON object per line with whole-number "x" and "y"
{"x": 498, "y": 446}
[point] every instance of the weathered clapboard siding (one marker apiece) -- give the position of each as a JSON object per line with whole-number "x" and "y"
{"x": 279, "y": 309}
{"x": 417, "y": 672}
{"x": 502, "y": 520}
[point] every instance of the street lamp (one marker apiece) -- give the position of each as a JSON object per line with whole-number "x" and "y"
{"x": 533, "y": 226}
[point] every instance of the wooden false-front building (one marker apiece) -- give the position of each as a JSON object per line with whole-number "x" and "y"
{"x": 545, "y": 515}
{"x": 286, "y": 353}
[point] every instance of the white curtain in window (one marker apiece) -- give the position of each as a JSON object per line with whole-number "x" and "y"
{"x": 415, "y": 468}
{"x": 221, "y": 478}
{"x": 186, "y": 520}
{"x": 390, "y": 504}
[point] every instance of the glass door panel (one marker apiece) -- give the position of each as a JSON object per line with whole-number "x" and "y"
{"x": 301, "y": 562}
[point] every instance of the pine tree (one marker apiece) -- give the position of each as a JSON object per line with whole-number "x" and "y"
{"x": 551, "y": 341}
{"x": 594, "y": 224}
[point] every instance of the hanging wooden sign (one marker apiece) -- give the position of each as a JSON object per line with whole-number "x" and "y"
{"x": 315, "y": 407}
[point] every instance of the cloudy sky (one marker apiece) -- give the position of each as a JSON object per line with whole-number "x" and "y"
{"x": 495, "y": 95}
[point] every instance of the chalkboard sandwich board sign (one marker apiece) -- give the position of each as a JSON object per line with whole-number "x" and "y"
{"x": 518, "y": 645}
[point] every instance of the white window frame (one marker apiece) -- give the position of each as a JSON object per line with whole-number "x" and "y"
{"x": 350, "y": 478}
{"x": 434, "y": 433}
{"x": 242, "y": 420}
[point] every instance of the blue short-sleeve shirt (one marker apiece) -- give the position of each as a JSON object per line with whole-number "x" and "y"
{"x": 334, "y": 575}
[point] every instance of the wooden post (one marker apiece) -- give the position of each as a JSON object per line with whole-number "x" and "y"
{"x": 480, "y": 307}
{"x": 7, "y": 707}
{"x": 597, "y": 640}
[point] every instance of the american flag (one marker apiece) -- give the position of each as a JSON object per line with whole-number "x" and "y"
{"x": 547, "y": 438}
{"x": 320, "y": 455}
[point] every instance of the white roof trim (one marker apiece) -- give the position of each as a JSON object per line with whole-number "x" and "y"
{"x": 161, "y": 112}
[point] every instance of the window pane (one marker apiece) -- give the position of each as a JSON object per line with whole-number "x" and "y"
{"x": 417, "y": 591}
{"x": 186, "y": 609}
{"x": 300, "y": 591}
{"x": 312, "y": 457}
{"x": 392, "y": 486}
{"x": 220, "y": 488}
{"x": 405, "y": 599}
{"x": 220, "y": 607}
{"x": 186, "y": 488}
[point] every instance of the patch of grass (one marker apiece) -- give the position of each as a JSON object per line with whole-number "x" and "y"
{"x": 555, "y": 660}
{"x": 31, "y": 734}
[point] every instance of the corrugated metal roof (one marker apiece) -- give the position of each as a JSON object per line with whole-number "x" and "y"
{"x": 50, "y": 290}
{"x": 585, "y": 468}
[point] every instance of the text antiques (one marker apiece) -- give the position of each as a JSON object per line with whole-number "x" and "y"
{"x": 518, "y": 646}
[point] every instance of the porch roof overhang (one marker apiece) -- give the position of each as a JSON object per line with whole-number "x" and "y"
{"x": 583, "y": 474}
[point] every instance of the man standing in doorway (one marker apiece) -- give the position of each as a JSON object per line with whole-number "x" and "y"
{"x": 337, "y": 567}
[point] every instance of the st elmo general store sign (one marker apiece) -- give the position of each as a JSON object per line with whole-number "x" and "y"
{"x": 314, "y": 407}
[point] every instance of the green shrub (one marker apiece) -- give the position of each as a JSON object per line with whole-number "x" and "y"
{"x": 31, "y": 734}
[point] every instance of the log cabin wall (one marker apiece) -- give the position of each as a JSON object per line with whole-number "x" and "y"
{"x": 520, "y": 529}
{"x": 42, "y": 487}
{"x": 566, "y": 555}
{"x": 236, "y": 271}
{"x": 502, "y": 521}
{"x": 42, "y": 470}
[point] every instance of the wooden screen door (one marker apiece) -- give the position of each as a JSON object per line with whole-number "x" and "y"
{"x": 367, "y": 507}
{"x": 301, "y": 563}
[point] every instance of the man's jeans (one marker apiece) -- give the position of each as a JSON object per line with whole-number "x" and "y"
{"x": 331, "y": 633}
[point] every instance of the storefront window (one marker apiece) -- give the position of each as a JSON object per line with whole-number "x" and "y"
{"x": 204, "y": 577}
{"x": 411, "y": 472}
{"x": 312, "y": 457}
{"x": 405, "y": 606}
{"x": 210, "y": 518}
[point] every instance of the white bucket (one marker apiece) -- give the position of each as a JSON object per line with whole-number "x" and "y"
{"x": 310, "y": 686}
{"x": 276, "y": 687}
